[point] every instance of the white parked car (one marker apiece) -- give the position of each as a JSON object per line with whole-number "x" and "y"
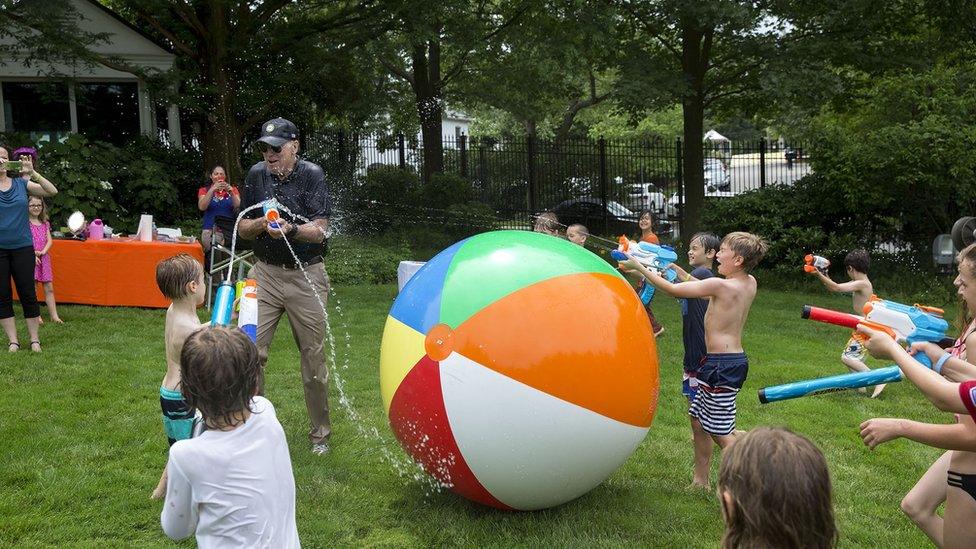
{"x": 646, "y": 196}
{"x": 675, "y": 201}
{"x": 717, "y": 174}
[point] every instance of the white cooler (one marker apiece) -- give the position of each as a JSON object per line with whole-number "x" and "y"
{"x": 405, "y": 272}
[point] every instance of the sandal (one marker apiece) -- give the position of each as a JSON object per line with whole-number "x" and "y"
{"x": 37, "y": 349}
{"x": 13, "y": 347}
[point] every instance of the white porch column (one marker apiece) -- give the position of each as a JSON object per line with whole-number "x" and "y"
{"x": 146, "y": 124}
{"x": 3, "y": 115}
{"x": 173, "y": 123}
{"x": 72, "y": 107}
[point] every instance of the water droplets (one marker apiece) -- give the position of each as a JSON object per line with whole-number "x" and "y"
{"x": 405, "y": 468}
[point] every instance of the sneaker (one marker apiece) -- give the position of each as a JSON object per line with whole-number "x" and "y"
{"x": 659, "y": 331}
{"x": 320, "y": 448}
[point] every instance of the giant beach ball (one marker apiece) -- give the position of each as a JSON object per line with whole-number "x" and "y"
{"x": 519, "y": 369}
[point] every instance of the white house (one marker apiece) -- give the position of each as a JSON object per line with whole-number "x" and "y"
{"x": 48, "y": 101}
{"x": 377, "y": 150}
{"x": 454, "y": 123}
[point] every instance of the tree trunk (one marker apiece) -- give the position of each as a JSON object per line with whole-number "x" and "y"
{"x": 694, "y": 63}
{"x": 222, "y": 132}
{"x": 222, "y": 146}
{"x": 427, "y": 87}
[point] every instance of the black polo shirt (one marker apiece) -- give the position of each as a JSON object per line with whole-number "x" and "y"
{"x": 304, "y": 192}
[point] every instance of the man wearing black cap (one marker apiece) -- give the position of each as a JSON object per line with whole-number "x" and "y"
{"x": 301, "y": 188}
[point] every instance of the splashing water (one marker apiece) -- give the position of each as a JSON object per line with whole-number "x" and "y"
{"x": 405, "y": 468}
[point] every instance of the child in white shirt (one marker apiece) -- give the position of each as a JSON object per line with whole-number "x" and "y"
{"x": 233, "y": 484}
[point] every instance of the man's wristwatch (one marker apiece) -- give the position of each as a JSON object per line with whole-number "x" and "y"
{"x": 292, "y": 231}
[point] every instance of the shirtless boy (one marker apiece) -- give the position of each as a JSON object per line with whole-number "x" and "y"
{"x": 725, "y": 365}
{"x": 179, "y": 278}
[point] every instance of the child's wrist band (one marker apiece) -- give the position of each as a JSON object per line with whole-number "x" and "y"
{"x": 937, "y": 367}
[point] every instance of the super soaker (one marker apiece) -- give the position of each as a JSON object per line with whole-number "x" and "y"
{"x": 905, "y": 324}
{"x": 652, "y": 256}
{"x": 223, "y": 306}
{"x": 247, "y": 321}
{"x": 271, "y": 213}
{"x": 813, "y": 263}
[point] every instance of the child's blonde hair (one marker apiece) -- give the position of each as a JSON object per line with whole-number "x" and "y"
{"x": 547, "y": 222}
{"x": 175, "y": 273}
{"x": 780, "y": 490}
{"x": 752, "y": 248}
{"x": 43, "y": 215}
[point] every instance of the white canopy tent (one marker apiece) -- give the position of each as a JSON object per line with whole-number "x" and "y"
{"x": 721, "y": 146}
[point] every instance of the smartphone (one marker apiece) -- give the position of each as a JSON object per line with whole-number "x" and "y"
{"x": 14, "y": 166}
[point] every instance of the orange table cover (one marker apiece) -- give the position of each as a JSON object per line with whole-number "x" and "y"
{"x": 116, "y": 272}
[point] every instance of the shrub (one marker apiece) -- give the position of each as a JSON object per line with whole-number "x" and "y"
{"x": 812, "y": 216}
{"x": 385, "y": 199}
{"x": 118, "y": 184}
{"x": 359, "y": 260}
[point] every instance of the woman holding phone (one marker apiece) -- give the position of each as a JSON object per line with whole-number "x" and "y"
{"x": 17, "y": 259}
{"x": 218, "y": 198}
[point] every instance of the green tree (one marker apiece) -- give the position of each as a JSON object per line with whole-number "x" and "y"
{"x": 741, "y": 57}
{"x": 558, "y": 61}
{"x": 241, "y": 62}
{"x": 432, "y": 47}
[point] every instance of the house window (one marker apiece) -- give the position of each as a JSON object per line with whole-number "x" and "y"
{"x": 457, "y": 132}
{"x": 37, "y": 108}
{"x": 108, "y": 111}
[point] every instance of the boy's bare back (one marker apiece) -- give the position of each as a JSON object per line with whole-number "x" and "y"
{"x": 179, "y": 325}
{"x": 859, "y": 285}
{"x": 861, "y": 293}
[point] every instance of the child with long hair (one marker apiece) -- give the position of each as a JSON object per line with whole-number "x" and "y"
{"x": 233, "y": 485}
{"x": 41, "y": 233}
{"x": 645, "y": 223}
{"x": 775, "y": 491}
{"x": 922, "y": 502}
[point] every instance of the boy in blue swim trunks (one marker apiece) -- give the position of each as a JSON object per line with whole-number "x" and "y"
{"x": 701, "y": 256}
{"x": 724, "y": 368}
{"x": 179, "y": 278}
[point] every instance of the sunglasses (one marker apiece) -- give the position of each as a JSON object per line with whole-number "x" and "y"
{"x": 264, "y": 147}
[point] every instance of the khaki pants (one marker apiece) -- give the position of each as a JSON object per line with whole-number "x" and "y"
{"x": 286, "y": 290}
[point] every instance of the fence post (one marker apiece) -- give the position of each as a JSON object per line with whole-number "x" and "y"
{"x": 602, "y": 148}
{"x": 678, "y": 154}
{"x": 401, "y": 152}
{"x": 482, "y": 168}
{"x": 341, "y": 150}
{"x": 463, "y": 145}
{"x": 533, "y": 191}
{"x": 762, "y": 162}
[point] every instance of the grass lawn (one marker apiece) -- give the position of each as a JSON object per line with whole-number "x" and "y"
{"x": 83, "y": 442}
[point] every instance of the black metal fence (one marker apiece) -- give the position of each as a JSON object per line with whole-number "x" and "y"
{"x": 518, "y": 178}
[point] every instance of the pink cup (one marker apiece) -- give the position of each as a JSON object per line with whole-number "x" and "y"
{"x": 96, "y": 230}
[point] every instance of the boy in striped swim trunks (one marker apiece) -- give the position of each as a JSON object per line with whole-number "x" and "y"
{"x": 724, "y": 368}
{"x": 180, "y": 278}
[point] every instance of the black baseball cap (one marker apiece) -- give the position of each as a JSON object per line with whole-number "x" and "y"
{"x": 278, "y": 131}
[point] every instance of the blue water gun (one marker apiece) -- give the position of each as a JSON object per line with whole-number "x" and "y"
{"x": 652, "y": 256}
{"x": 908, "y": 323}
{"x": 840, "y": 382}
{"x": 903, "y": 323}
